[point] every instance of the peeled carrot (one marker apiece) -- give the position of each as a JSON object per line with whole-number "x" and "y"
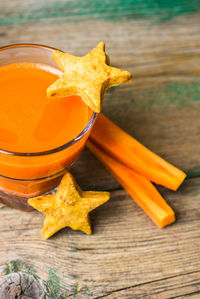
{"x": 140, "y": 189}
{"x": 133, "y": 154}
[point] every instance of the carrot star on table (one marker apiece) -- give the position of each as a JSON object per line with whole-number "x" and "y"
{"x": 88, "y": 76}
{"x": 68, "y": 207}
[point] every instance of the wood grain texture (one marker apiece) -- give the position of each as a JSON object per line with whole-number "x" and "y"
{"x": 23, "y": 11}
{"x": 127, "y": 256}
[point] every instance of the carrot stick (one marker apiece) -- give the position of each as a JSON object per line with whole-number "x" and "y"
{"x": 140, "y": 189}
{"x": 126, "y": 149}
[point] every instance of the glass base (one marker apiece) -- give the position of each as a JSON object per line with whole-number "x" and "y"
{"x": 10, "y": 195}
{"x": 15, "y": 202}
{"x": 18, "y": 202}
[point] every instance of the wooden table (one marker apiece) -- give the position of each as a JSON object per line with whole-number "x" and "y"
{"x": 127, "y": 256}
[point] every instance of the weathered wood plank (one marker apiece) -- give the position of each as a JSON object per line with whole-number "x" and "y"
{"x": 126, "y": 250}
{"x": 90, "y": 172}
{"x": 22, "y": 11}
{"x": 162, "y": 289}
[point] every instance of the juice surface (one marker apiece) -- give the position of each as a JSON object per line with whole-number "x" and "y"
{"x": 29, "y": 121}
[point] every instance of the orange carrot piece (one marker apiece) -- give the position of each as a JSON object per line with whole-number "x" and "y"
{"x": 133, "y": 154}
{"x": 140, "y": 189}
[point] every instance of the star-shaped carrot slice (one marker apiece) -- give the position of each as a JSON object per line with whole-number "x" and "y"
{"x": 70, "y": 206}
{"x": 88, "y": 76}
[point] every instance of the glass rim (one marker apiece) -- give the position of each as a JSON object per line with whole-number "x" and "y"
{"x": 65, "y": 145}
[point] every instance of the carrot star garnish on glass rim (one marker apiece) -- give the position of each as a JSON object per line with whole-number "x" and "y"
{"x": 88, "y": 76}
{"x": 68, "y": 207}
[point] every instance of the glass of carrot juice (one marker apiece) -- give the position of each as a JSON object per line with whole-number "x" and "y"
{"x": 39, "y": 137}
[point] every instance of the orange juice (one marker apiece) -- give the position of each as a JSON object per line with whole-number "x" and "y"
{"x": 34, "y": 130}
{"x": 29, "y": 121}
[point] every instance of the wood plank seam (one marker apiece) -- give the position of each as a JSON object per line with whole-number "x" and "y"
{"x": 146, "y": 283}
{"x": 187, "y": 294}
